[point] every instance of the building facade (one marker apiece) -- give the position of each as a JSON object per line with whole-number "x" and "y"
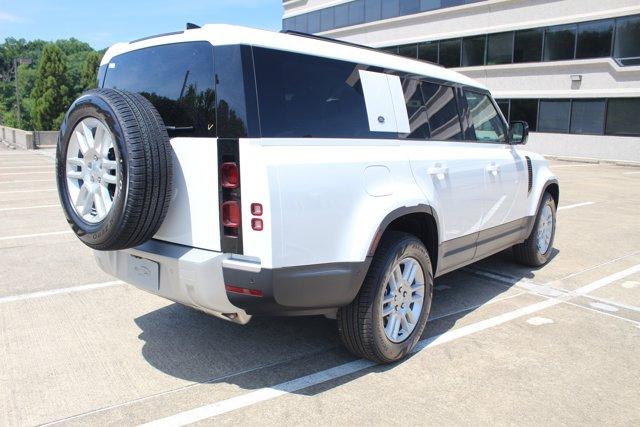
{"x": 570, "y": 68}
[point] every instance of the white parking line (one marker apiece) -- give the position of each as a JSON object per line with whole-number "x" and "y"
{"x": 28, "y": 191}
{"x": 28, "y": 207}
{"x": 631, "y": 173}
{"x": 268, "y": 393}
{"x": 62, "y": 291}
{"x": 29, "y": 236}
{"x": 577, "y": 205}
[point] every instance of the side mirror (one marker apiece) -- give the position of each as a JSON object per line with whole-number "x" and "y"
{"x": 518, "y": 133}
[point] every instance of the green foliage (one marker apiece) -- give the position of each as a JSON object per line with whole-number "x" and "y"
{"x": 89, "y": 75}
{"x": 72, "y": 56}
{"x": 51, "y": 92}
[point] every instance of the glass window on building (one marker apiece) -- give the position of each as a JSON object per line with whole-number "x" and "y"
{"x": 500, "y": 48}
{"x": 390, "y": 8}
{"x": 504, "y": 107}
{"x": 356, "y": 12}
{"x": 407, "y": 7}
{"x": 528, "y": 45}
{"x": 372, "y": 10}
{"x": 313, "y": 22}
{"x": 451, "y": 3}
{"x": 341, "y": 15}
{"x": 594, "y": 39}
{"x": 408, "y": 50}
{"x": 473, "y": 50}
{"x": 554, "y": 115}
{"x": 622, "y": 117}
{"x": 429, "y": 5}
{"x": 416, "y": 110}
{"x": 487, "y": 124}
{"x": 390, "y": 49}
{"x": 326, "y": 19}
{"x": 428, "y": 51}
{"x": 525, "y": 110}
{"x": 560, "y": 43}
{"x": 301, "y": 23}
{"x": 289, "y": 24}
{"x": 627, "y": 44}
{"x": 442, "y": 111}
{"x": 450, "y": 53}
{"x": 587, "y": 116}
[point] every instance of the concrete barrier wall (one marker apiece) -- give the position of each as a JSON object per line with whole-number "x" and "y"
{"x": 617, "y": 148}
{"x": 47, "y": 138}
{"x": 17, "y": 137}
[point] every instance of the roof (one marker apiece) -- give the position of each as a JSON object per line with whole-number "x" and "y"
{"x": 222, "y": 34}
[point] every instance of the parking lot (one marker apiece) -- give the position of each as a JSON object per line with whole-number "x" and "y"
{"x": 504, "y": 345}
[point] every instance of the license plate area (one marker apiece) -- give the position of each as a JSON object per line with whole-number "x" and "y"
{"x": 143, "y": 273}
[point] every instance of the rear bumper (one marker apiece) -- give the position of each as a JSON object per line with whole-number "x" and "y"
{"x": 197, "y": 278}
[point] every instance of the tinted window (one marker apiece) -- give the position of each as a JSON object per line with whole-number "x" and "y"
{"x": 504, "y": 107}
{"x": 428, "y": 51}
{"x": 356, "y": 12}
{"x": 372, "y": 10}
{"x": 291, "y": 104}
{"x": 326, "y": 19}
{"x": 429, "y": 4}
{"x": 450, "y": 53}
{"x": 594, "y": 39}
{"x": 524, "y": 110}
{"x": 587, "y": 116}
{"x": 341, "y": 15}
{"x": 408, "y": 50}
{"x": 487, "y": 124}
{"x": 416, "y": 110}
{"x": 554, "y": 116}
{"x": 473, "y": 50}
{"x": 528, "y": 45}
{"x": 390, "y": 8}
{"x": 176, "y": 78}
{"x": 442, "y": 111}
{"x": 390, "y": 49}
{"x": 409, "y": 6}
{"x": 622, "y": 116}
{"x": 627, "y": 40}
{"x": 559, "y": 43}
{"x": 499, "y": 48}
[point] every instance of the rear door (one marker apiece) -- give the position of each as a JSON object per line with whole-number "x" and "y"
{"x": 449, "y": 170}
{"x": 505, "y": 176}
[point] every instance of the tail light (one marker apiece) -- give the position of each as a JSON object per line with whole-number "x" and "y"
{"x": 231, "y": 214}
{"x": 229, "y": 175}
{"x": 229, "y": 196}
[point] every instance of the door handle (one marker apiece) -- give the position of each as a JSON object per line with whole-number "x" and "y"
{"x": 493, "y": 169}
{"x": 439, "y": 170}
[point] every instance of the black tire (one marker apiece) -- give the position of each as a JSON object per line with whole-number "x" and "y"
{"x": 360, "y": 323}
{"x": 143, "y": 188}
{"x": 527, "y": 252}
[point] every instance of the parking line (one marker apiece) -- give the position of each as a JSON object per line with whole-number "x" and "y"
{"x": 19, "y": 181}
{"x": 42, "y": 166}
{"x": 577, "y": 205}
{"x": 28, "y": 207}
{"x": 268, "y": 393}
{"x": 29, "y": 236}
{"x": 62, "y": 291}
{"x": 25, "y": 173}
{"x": 631, "y": 173}
{"x": 28, "y": 191}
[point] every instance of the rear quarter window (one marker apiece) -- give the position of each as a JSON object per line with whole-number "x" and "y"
{"x": 178, "y": 79}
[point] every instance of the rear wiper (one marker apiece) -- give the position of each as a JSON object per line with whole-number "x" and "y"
{"x": 180, "y": 128}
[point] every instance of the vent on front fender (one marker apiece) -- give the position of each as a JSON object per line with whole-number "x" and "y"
{"x": 529, "y": 174}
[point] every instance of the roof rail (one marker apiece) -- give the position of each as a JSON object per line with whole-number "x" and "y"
{"x": 329, "y": 39}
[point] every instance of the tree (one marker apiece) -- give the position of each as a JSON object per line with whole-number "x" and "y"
{"x": 51, "y": 92}
{"x": 89, "y": 75}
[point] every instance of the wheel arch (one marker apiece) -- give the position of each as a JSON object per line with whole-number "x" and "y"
{"x": 420, "y": 220}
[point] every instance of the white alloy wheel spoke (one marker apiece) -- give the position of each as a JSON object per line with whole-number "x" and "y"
{"x": 109, "y": 179}
{"x": 74, "y": 174}
{"x": 85, "y": 200}
{"x": 82, "y": 143}
{"x": 88, "y": 135}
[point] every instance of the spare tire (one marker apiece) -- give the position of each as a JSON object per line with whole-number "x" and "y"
{"x": 114, "y": 169}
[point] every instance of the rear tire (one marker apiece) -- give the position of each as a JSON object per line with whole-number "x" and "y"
{"x": 363, "y": 326}
{"x": 536, "y": 250}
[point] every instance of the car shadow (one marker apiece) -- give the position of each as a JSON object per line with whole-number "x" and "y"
{"x": 193, "y": 346}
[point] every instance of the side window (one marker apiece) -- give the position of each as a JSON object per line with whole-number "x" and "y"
{"x": 442, "y": 111}
{"x": 487, "y": 123}
{"x": 303, "y": 96}
{"x": 416, "y": 110}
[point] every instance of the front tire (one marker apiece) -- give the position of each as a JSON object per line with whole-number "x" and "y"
{"x": 389, "y": 314}
{"x": 536, "y": 250}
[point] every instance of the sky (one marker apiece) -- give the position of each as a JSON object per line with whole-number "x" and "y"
{"x": 103, "y": 23}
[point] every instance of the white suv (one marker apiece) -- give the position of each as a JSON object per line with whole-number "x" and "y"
{"x": 244, "y": 172}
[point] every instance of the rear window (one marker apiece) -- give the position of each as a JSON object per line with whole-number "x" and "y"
{"x": 178, "y": 79}
{"x": 303, "y": 96}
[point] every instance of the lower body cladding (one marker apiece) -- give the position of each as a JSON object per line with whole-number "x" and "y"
{"x": 231, "y": 288}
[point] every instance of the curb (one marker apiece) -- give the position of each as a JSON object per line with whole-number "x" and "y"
{"x": 593, "y": 161}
